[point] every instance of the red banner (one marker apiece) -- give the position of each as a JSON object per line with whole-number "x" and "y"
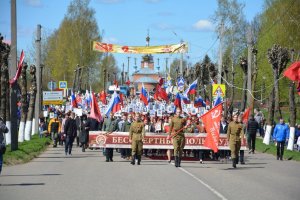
{"x": 211, "y": 121}
{"x": 97, "y": 139}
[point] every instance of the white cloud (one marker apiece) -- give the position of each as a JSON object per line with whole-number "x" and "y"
{"x": 110, "y": 40}
{"x": 34, "y": 3}
{"x": 203, "y": 25}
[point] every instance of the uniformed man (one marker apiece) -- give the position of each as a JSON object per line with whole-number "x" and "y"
{"x": 110, "y": 125}
{"x": 136, "y": 137}
{"x": 235, "y": 133}
{"x": 176, "y": 131}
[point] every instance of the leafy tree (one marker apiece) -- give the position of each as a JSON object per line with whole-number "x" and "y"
{"x": 279, "y": 25}
{"x": 70, "y": 44}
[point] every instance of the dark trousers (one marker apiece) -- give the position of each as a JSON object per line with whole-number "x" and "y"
{"x": 69, "y": 144}
{"x": 251, "y": 142}
{"x": 109, "y": 153}
{"x": 280, "y": 150}
{"x": 1, "y": 161}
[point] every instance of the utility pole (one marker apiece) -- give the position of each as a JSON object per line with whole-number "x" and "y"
{"x": 38, "y": 100}
{"x": 249, "y": 72}
{"x": 220, "y": 53}
{"x": 181, "y": 60}
{"x": 123, "y": 75}
{"x": 13, "y": 70}
{"x": 166, "y": 67}
{"x": 128, "y": 69}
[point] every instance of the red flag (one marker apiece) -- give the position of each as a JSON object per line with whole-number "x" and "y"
{"x": 160, "y": 93}
{"x": 103, "y": 97}
{"x": 121, "y": 99}
{"x": 95, "y": 111}
{"x": 127, "y": 82}
{"x": 211, "y": 121}
{"x": 293, "y": 71}
{"x": 11, "y": 81}
{"x": 246, "y": 115}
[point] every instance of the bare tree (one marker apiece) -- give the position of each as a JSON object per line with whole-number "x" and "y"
{"x": 278, "y": 57}
{"x": 244, "y": 67}
{"x": 32, "y": 93}
{"x": 24, "y": 102}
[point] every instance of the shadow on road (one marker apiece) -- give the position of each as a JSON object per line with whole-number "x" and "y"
{"x": 242, "y": 168}
{"x": 22, "y": 184}
{"x": 33, "y": 175}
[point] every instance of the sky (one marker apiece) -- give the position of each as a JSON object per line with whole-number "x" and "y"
{"x": 127, "y": 22}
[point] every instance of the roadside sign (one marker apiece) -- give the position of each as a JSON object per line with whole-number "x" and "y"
{"x": 52, "y": 97}
{"x": 62, "y": 85}
{"x": 52, "y": 85}
{"x": 219, "y": 88}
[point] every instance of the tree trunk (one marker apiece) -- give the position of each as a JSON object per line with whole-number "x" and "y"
{"x": 277, "y": 99}
{"x": 226, "y": 99}
{"x": 3, "y": 91}
{"x": 33, "y": 90}
{"x": 254, "y": 77}
{"x": 8, "y": 123}
{"x": 292, "y": 116}
{"x": 270, "y": 119}
{"x": 232, "y": 94}
{"x": 24, "y": 103}
{"x": 244, "y": 93}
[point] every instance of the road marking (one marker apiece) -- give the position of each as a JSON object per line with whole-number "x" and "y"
{"x": 203, "y": 183}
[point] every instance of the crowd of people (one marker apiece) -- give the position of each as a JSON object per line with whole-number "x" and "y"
{"x": 68, "y": 127}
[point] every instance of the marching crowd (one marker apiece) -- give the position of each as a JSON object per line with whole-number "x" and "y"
{"x": 68, "y": 127}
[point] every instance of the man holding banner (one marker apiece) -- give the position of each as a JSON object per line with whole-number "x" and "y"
{"x": 176, "y": 132}
{"x": 235, "y": 133}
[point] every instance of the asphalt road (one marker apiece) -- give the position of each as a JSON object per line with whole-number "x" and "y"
{"x": 86, "y": 176}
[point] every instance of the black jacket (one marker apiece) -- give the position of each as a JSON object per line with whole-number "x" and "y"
{"x": 252, "y": 127}
{"x": 223, "y": 130}
{"x": 70, "y": 128}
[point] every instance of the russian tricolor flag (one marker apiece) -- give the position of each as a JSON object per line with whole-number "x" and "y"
{"x": 144, "y": 95}
{"x": 73, "y": 100}
{"x": 218, "y": 100}
{"x": 185, "y": 99}
{"x": 114, "y": 104}
{"x": 177, "y": 101}
{"x": 199, "y": 102}
{"x": 192, "y": 87}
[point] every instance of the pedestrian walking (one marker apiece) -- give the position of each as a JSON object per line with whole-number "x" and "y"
{"x": 235, "y": 133}
{"x": 110, "y": 125}
{"x": 177, "y": 125}
{"x": 54, "y": 128}
{"x": 70, "y": 133}
{"x": 84, "y": 133}
{"x": 3, "y": 130}
{"x": 280, "y": 136}
{"x": 136, "y": 137}
{"x": 252, "y": 128}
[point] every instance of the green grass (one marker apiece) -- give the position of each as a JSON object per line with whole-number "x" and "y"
{"x": 271, "y": 149}
{"x": 27, "y": 150}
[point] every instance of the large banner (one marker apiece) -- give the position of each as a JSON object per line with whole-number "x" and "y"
{"x": 113, "y": 48}
{"x": 98, "y": 139}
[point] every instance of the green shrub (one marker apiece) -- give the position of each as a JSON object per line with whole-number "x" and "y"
{"x": 27, "y": 151}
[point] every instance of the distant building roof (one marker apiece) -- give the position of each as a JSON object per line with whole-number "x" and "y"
{"x": 145, "y": 71}
{"x": 146, "y": 80}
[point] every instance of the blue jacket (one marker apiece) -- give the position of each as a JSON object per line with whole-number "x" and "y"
{"x": 281, "y": 132}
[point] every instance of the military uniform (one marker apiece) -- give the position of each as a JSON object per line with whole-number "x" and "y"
{"x": 176, "y": 124}
{"x": 136, "y": 135}
{"x": 235, "y": 133}
{"x": 109, "y": 125}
